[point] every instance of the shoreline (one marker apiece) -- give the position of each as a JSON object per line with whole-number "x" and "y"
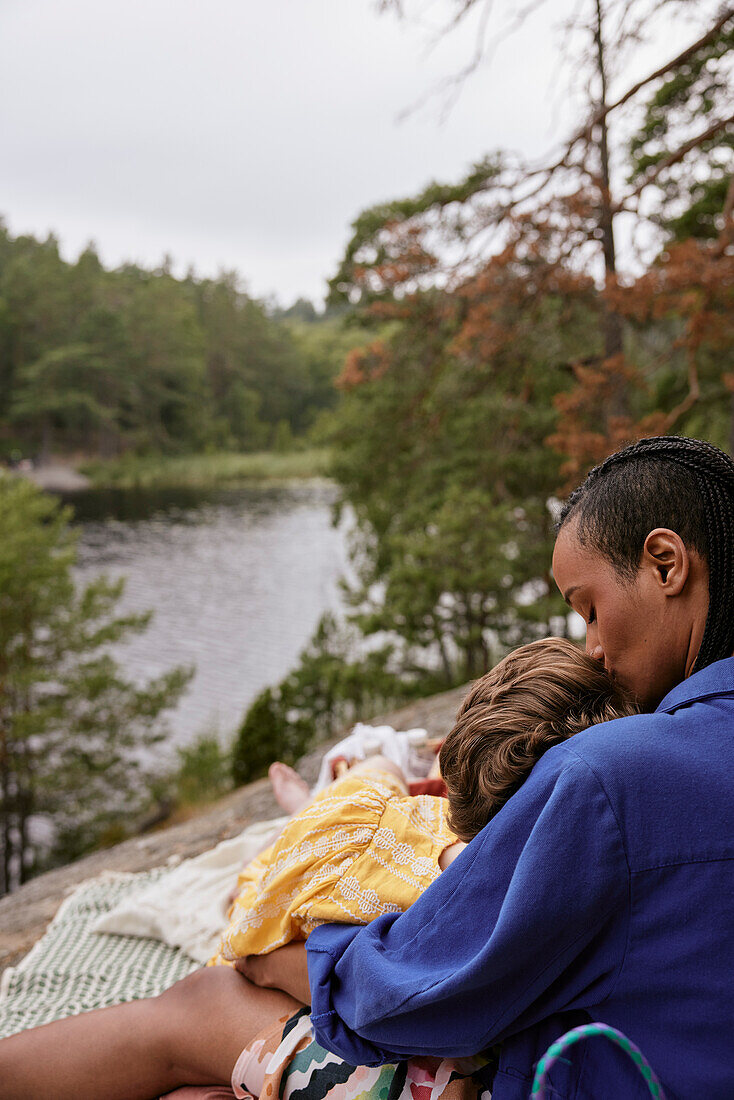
{"x": 55, "y": 477}
{"x": 205, "y": 471}
{"x": 77, "y": 474}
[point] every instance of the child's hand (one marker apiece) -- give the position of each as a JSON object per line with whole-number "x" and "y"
{"x": 284, "y": 969}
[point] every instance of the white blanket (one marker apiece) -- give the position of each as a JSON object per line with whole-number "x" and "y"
{"x": 187, "y": 906}
{"x": 393, "y": 745}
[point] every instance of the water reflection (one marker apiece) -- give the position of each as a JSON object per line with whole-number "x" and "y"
{"x": 237, "y": 580}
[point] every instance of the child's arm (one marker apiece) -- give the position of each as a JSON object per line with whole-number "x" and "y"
{"x": 448, "y": 855}
{"x": 284, "y": 969}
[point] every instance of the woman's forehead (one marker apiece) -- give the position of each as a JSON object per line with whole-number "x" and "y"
{"x": 574, "y": 564}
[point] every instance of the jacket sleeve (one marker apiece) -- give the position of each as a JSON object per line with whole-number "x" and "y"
{"x": 524, "y": 923}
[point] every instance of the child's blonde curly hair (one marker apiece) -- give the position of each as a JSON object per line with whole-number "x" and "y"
{"x": 539, "y": 695}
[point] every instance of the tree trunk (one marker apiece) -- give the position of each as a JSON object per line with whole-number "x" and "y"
{"x": 612, "y": 322}
{"x": 25, "y": 798}
{"x": 446, "y": 663}
{"x": 5, "y": 822}
{"x": 23, "y": 849}
{"x": 44, "y": 454}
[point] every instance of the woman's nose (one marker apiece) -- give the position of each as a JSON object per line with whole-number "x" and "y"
{"x": 594, "y": 648}
{"x": 593, "y": 645}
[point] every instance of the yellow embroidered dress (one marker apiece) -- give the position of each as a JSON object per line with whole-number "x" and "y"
{"x": 363, "y": 847}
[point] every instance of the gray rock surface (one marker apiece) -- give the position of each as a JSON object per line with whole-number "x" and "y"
{"x": 56, "y": 477}
{"x": 25, "y": 914}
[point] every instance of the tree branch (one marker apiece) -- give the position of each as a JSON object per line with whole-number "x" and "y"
{"x": 694, "y": 392}
{"x": 673, "y": 158}
{"x": 601, "y": 114}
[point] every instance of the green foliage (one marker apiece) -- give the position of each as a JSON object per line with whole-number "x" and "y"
{"x": 282, "y": 437}
{"x": 204, "y": 771}
{"x": 108, "y": 362}
{"x": 301, "y": 310}
{"x": 686, "y": 102}
{"x": 323, "y": 347}
{"x": 705, "y": 203}
{"x": 73, "y": 731}
{"x": 443, "y": 459}
{"x": 261, "y": 739}
{"x": 368, "y": 242}
{"x": 503, "y": 337}
{"x": 152, "y": 471}
{"x": 333, "y": 685}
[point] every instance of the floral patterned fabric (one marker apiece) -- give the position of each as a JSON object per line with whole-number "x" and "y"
{"x": 312, "y": 1073}
{"x": 291, "y": 1065}
{"x": 363, "y": 847}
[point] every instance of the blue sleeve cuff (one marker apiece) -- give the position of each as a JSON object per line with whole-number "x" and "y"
{"x": 324, "y": 947}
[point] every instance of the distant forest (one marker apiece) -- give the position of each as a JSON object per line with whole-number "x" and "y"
{"x": 100, "y": 362}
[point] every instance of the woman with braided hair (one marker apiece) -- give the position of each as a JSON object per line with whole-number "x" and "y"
{"x": 664, "y": 503}
{"x": 603, "y": 890}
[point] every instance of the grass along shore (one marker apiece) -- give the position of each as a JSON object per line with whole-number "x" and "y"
{"x": 205, "y": 470}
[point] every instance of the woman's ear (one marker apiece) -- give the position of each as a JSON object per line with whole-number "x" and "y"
{"x": 666, "y": 556}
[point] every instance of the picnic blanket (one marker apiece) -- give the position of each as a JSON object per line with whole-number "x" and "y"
{"x": 71, "y": 969}
{"x": 187, "y": 906}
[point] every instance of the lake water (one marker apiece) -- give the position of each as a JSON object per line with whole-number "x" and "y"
{"x": 237, "y": 580}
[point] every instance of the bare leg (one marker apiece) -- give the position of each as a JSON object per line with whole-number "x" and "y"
{"x": 378, "y": 763}
{"x": 190, "y": 1035}
{"x": 291, "y": 792}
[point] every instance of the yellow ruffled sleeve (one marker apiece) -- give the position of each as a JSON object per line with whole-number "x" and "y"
{"x": 361, "y": 848}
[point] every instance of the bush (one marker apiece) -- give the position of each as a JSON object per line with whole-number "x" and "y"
{"x": 261, "y": 738}
{"x": 204, "y": 771}
{"x": 333, "y": 686}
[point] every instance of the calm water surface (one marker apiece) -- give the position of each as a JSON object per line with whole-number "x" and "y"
{"x": 237, "y": 580}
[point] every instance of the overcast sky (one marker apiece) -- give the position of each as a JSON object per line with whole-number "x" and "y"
{"x": 246, "y": 134}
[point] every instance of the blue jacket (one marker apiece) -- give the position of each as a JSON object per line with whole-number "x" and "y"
{"x": 604, "y": 890}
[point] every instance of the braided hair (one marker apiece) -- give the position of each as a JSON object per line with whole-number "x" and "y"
{"x": 686, "y": 485}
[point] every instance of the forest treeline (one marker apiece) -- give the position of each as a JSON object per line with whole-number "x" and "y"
{"x": 99, "y": 363}
{"x": 104, "y": 362}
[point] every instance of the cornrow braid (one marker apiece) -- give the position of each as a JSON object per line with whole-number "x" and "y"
{"x": 686, "y": 485}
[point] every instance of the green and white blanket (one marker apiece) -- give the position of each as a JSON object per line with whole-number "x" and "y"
{"x": 120, "y": 937}
{"x": 72, "y": 969}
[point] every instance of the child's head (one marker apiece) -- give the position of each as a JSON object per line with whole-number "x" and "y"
{"x": 539, "y": 695}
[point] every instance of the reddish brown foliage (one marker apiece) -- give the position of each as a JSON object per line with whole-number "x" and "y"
{"x": 364, "y": 364}
{"x": 692, "y": 283}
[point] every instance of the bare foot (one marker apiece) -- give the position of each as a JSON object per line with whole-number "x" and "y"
{"x": 291, "y": 792}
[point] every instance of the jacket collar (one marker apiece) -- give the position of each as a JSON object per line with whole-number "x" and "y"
{"x": 715, "y": 679}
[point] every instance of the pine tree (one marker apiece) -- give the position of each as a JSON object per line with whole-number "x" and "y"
{"x": 74, "y": 734}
